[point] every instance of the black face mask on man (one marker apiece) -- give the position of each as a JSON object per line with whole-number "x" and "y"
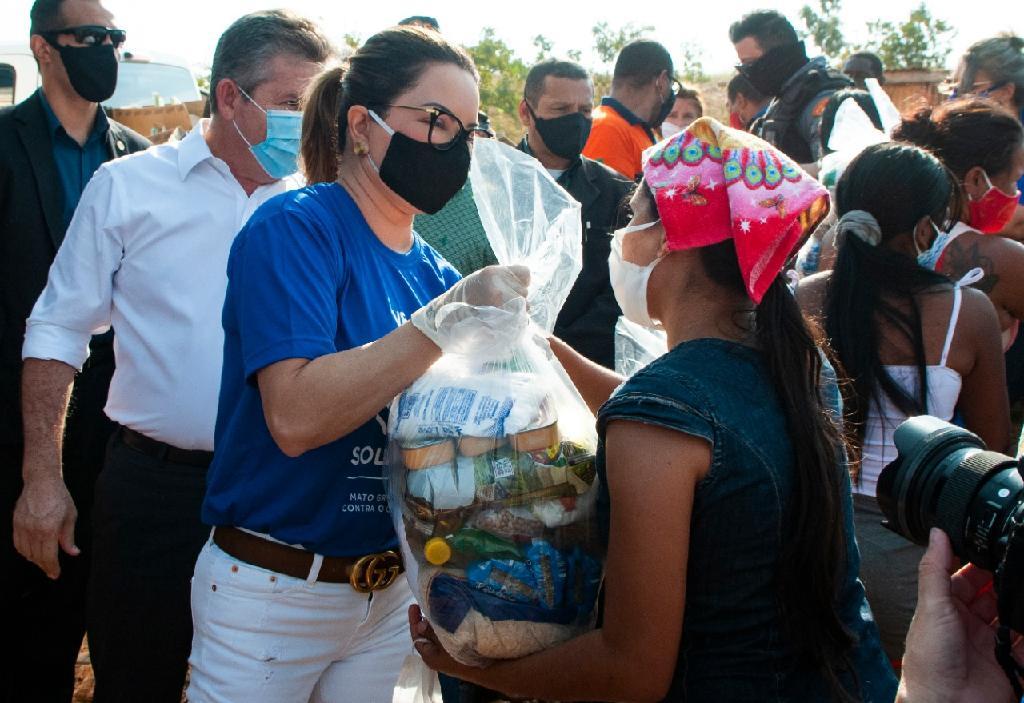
{"x": 665, "y": 108}
{"x": 770, "y": 72}
{"x": 92, "y": 70}
{"x": 425, "y": 177}
{"x": 564, "y": 136}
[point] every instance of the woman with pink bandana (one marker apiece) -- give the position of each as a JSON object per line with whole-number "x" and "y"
{"x": 732, "y": 568}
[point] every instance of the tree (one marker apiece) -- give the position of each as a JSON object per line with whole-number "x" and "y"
{"x": 823, "y": 26}
{"x": 502, "y": 77}
{"x": 352, "y": 41}
{"x": 608, "y": 42}
{"x": 691, "y": 68}
{"x": 921, "y": 42}
{"x": 544, "y": 46}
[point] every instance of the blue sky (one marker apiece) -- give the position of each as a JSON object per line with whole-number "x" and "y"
{"x": 189, "y": 28}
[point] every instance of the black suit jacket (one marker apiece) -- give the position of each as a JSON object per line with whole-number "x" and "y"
{"x": 587, "y": 320}
{"x": 31, "y": 231}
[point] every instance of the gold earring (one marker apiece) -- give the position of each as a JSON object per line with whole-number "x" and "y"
{"x": 361, "y": 149}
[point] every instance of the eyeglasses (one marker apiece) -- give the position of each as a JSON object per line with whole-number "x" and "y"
{"x": 954, "y": 92}
{"x": 445, "y": 130}
{"x": 88, "y": 34}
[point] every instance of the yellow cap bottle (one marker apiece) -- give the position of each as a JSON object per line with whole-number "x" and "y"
{"x": 437, "y": 551}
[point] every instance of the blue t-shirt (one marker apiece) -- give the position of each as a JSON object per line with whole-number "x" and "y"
{"x": 307, "y": 277}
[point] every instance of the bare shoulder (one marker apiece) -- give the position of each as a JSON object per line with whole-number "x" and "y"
{"x": 810, "y": 293}
{"x": 977, "y": 313}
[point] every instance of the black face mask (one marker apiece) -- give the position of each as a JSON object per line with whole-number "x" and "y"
{"x": 92, "y": 70}
{"x": 564, "y": 136}
{"x": 665, "y": 109}
{"x": 770, "y": 72}
{"x": 421, "y": 175}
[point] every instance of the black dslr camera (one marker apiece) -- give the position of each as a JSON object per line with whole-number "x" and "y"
{"x": 944, "y": 477}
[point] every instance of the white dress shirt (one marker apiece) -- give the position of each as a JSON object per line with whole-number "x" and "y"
{"x": 146, "y": 253}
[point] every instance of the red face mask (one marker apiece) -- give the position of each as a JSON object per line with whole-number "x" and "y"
{"x": 992, "y": 211}
{"x": 735, "y": 122}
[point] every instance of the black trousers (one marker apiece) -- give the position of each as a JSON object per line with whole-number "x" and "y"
{"x": 43, "y": 620}
{"x": 147, "y": 535}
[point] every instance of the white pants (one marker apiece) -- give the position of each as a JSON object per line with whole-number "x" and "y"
{"x": 263, "y": 637}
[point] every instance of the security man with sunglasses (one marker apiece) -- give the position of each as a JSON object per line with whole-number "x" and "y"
{"x": 50, "y": 146}
{"x": 145, "y": 254}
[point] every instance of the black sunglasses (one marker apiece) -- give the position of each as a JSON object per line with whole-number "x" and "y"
{"x": 88, "y": 34}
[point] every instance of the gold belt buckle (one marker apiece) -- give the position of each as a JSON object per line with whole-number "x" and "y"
{"x": 375, "y": 572}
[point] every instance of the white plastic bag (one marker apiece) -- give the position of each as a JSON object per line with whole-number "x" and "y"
{"x": 492, "y": 452}
{"x": 636, "y": 346}
{"x": 416, "y": 683}
{"x": 529, "y": 220}
{"x": 853, "y": 132}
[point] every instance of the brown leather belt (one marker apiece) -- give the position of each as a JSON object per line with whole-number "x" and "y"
{"x": 373, "y": 572}
{"x": 165, "y": 452}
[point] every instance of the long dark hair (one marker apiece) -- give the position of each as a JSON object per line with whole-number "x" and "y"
{"x": 873, "y": 284}
{"x": 813, "y": 559}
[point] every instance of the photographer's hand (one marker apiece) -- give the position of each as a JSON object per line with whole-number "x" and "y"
{"x": 950, "y": 653}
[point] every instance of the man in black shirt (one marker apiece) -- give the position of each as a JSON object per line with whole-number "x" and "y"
{"x": 50, "y": 146}
{"x": 555, "y": 109}
{"x": 774, "y": 60}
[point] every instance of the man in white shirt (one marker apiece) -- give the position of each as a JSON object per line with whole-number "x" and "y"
{"x": 146, "y": 253}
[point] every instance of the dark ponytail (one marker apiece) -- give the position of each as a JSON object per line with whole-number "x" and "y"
{"x": 813, "y": 560}
{"x": 872, "y": 284}
{"x": 320, "y": 127}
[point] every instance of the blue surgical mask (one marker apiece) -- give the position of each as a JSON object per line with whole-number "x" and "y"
{"x": 278, "y": 154}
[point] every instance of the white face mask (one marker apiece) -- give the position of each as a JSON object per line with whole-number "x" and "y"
{"x": 669, "y": 129}
{"x": 629, "y": 281}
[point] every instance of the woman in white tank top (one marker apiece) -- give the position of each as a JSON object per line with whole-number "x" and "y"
{"x": 911, "y": 342}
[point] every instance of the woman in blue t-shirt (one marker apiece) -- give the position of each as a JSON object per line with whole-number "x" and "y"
{"x": 731, "y": 567}
{"x": 330, "y": 312}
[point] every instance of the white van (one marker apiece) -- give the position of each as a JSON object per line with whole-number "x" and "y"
{"x": 19, "y": 76}
{"x": 141, "y": 80}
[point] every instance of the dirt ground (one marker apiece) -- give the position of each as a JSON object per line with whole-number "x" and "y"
{"x": 84, "y": 682}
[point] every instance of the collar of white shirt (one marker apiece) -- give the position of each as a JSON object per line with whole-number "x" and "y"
{"x": 193, "y": 149}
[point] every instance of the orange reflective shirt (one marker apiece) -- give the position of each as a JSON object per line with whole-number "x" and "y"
{"x": 618, "y": 138}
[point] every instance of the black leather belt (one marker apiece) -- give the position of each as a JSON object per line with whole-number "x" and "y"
{"x": 165, "y": 452}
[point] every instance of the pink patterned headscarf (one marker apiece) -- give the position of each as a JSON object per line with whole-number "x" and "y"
{"x": 712, "y": 183}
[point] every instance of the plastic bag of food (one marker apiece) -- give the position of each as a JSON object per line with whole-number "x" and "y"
{"x": 493, "y": 481}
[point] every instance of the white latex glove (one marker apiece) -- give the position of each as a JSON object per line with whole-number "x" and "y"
{"x": 490, "y": 295}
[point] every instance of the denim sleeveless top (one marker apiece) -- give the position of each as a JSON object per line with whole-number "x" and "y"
{"x": 734, "y": 646}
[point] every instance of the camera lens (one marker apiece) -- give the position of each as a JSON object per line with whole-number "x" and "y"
{"x": 943, "y": 477}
